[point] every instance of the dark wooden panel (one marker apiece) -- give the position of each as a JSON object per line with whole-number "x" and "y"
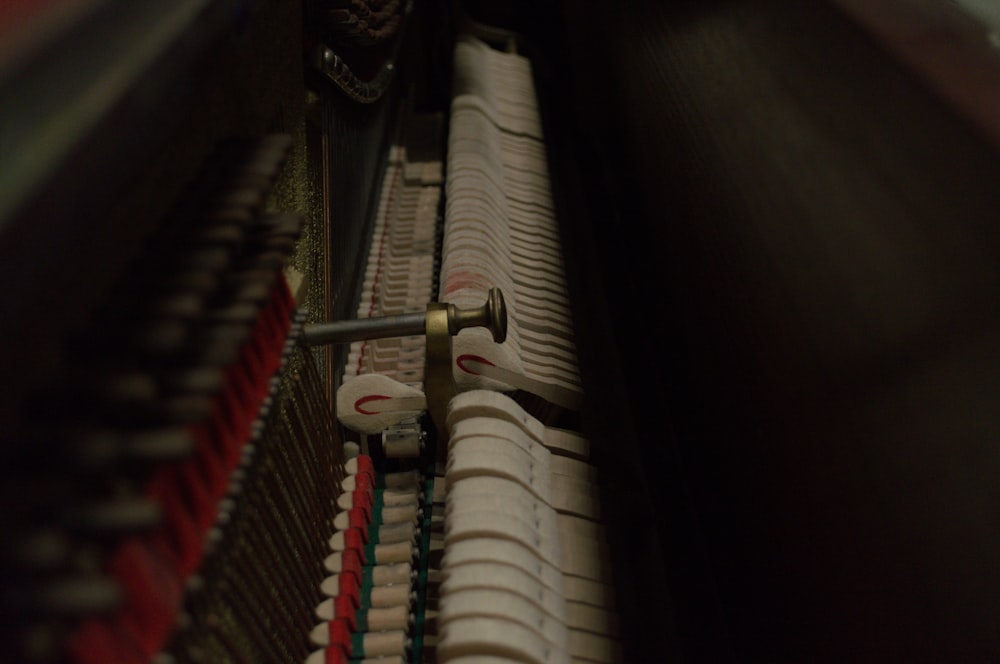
{"x": 798, "y": 242}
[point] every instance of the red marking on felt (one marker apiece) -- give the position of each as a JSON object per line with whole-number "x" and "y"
{"x": 191, "y": 483}
{"x": 344, "y": 609}
{"x": 340, "y": 636}
{"x": 365, "y": 465}
{"x": 253, "y": 360}
{"x": 203, "y": 496}
{"x": 462, "y": 279}
{"x": 222, "y": 435}
{"x": 368, "y": 399}
{"x": 461, "y": 359}
{"x": 100, "y": 642}
{"x": 358, "y": 517}
{"x": 349, "y": 586}
{"x": 211, "y": 459}
{"x": 241, "y": 379}
{"x": 363, "y": 500}
{"x": 267, "y": 327}
{"x": 364, "y": 483}
{"x": 350, "y": 563}
{"x": 179, "y": 534}
{"x": 362, "y": 531}
{"x": 355, "y": 538}
{"x": 233, "y": 411}
{"x": 336, "y": 654}
{"x": 361, "y": 358}
{"x": 153, "y": 594}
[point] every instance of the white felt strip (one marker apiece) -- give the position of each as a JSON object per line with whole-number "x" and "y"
{"x": 505, "y": 526}
{"x": 506, "y": 431}
{"x": 500, "y": 603}
{"x": 492, "y": 404}
{"x": 507, "y": 577}
{"x": 481, "y": 635}
{"x": 503, "y": 551}
{"x": 390, "y": 497}
{"x": 396, "y": 552}
{"x": 492, "y": 456}
{"x": 502, "y": 545}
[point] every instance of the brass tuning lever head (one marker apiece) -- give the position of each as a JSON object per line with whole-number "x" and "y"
{"x": 492, "y": 314}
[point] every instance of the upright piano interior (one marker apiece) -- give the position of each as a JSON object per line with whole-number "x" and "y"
{"x": 778, "y": 231}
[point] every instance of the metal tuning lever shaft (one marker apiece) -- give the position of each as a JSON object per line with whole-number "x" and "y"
{"x": 492, "y": 315}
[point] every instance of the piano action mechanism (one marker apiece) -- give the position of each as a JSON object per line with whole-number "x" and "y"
{"x": 793, "y": 461}
{"x": 249, "y": 442}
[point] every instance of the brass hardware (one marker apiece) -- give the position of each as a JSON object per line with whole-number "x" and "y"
{"x": 438, "y": 324}
{"x": 492, "y": 314}
{"x": 439, "y": 379}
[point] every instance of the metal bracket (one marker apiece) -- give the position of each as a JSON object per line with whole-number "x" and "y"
{"x": 439, "y": 380}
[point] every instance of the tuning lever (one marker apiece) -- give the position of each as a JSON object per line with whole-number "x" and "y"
{"x": 492, "y": 315}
